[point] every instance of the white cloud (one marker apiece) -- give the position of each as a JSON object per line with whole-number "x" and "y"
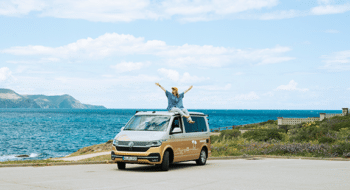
{"x": 5, "y": 74}
{"x": 338, "y": 61}
{"x": 270, "y": 94}
{"x": 324, "y": 1}
{"x": 41, "y": 60}
{"x": 291, "y": 86}
{"x": 17, "y": 7}
{"x": 113, "y": 44}
{"x": 215, "y": 87}
{"x": 104, "y": 45}
{"x": 127, "y": 66}
{"x": 284, "y": 14}
{"x": 324, "y": 7}
{"x": 250, "y": 96}
{"x": 183, "y": 10}
{"x": 272, "y": 60}
{"x": 176, "y": 77}
{"x": 187, "y": 78}
{"x": 170, "y": 74}
{"x": 332, "y": 31}
{"x": 114, "y": 11}
{"x": 330, "y": 9}
{"x": 212, "y": 9}
{"x": 100, "y": 84}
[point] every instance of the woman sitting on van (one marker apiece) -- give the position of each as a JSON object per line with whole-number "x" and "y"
{"x": 175, "y": 102}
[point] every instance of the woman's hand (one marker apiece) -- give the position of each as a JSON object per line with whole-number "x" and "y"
{"x": 160, "y": 86}
{"x": 188, "y": 89}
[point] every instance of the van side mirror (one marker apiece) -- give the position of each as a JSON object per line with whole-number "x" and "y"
{"x": 176, "y": 130}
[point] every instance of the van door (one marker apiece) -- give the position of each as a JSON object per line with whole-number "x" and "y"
{"x": 177, "y": 139}
{"x": 196, "y": 135}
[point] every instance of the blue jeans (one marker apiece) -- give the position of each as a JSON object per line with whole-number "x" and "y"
{"x": 182, "y": 112}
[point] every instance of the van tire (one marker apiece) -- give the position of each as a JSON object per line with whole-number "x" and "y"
{"x": 165, "y": 163}
{"x": 202, "y": 158}
{"x": 121, "y": 165}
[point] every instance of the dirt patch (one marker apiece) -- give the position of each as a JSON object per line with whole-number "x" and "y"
{"x": 94, "y": 149}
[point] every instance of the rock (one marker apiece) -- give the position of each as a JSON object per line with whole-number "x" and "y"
{"x": 22, "y": 156}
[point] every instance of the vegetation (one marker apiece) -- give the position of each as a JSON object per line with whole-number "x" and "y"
{"x": 48, "y": 161}
{"x": 327, "y": 138}
{"x": 94, "y": 149}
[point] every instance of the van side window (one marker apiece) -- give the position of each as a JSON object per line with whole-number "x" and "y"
{"x": 198, "y": 126}
{"x": 176, "y": 124}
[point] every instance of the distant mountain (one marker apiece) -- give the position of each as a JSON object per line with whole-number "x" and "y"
{"x": 11, "y": 99}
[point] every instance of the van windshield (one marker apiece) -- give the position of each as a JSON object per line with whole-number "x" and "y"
{"x": 148, "y": 123}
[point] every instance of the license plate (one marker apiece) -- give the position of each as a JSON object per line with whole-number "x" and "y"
{"x": 130, "y": 158}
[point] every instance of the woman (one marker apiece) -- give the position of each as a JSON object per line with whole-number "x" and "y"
{"x": 175, "y": 102}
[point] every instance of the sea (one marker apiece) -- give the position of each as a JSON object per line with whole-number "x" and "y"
{"x": 50, "y": 133}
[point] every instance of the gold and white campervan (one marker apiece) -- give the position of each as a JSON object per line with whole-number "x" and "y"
{"x": 161, "y": 138}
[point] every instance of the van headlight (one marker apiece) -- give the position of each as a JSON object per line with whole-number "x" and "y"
{"x": 156, "y": 143}
{"x": 115, "y": 142}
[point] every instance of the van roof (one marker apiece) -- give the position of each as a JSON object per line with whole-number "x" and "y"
{"x": 165, "y": 113}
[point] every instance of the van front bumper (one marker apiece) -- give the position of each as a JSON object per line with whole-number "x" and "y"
{"x": 152, "y": 158}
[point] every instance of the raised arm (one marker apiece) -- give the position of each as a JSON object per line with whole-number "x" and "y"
{"x": 160, "y": 87}
{"x": 188, "y": 89}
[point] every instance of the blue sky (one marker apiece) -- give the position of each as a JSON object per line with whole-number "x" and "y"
{"x": 252, "y": 54}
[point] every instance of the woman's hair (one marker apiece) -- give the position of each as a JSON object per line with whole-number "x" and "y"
{"x": 176, "y": 91}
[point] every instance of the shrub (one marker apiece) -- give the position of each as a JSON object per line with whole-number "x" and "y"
{"x": 336, "y": 123}
{"x": 263, "y": 134}
{"x": 214, "y": 138}
{"x": 274, "y": 122}
{"x": 229, "y": 134}
{"x": 326, "y": 140}
{"x": 344, "y": 133}
{"x": 285, "y": 137}
{"x": 338, "y": 126}
{"x": 341, "y": 149}
{"x": 308, "y": 132}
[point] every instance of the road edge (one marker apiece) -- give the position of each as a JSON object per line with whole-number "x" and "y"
{"x": 247, "y": 157}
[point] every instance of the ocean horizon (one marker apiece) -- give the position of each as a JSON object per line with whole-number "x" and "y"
{"x": 45, "y": 133}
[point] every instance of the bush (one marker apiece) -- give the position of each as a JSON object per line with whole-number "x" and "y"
{"x": 336, "y": 123}
{"x": 338, "y": 126}
{"x": 263, "y": 134}
{"x": 274, "y": 122}
{"x": 285, "y": 136}
{"x": 229, "y": 134}
{"x": 341, "y": 149}
{"x": 308, "y": 132}
{"x": 326, "y": 140}
{"x": 344, "y": 133}
{"x": 214, "y": 138}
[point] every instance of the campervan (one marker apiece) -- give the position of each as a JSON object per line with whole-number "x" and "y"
{"x": 162, "y": 138}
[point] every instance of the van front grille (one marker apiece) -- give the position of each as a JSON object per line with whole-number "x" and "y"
{"x": 136, "y": 143}
{"x": 132, "y": 149}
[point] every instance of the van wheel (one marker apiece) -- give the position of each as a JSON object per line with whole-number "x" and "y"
{"x": 165, "y": 164}
{"x": 121, "y": 165}
{"x": 202, "y": 158}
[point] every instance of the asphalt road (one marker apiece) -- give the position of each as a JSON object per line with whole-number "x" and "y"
{"x": 217, "y": 174}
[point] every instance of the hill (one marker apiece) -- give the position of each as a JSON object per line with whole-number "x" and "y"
{"x": 11, "y": 99}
